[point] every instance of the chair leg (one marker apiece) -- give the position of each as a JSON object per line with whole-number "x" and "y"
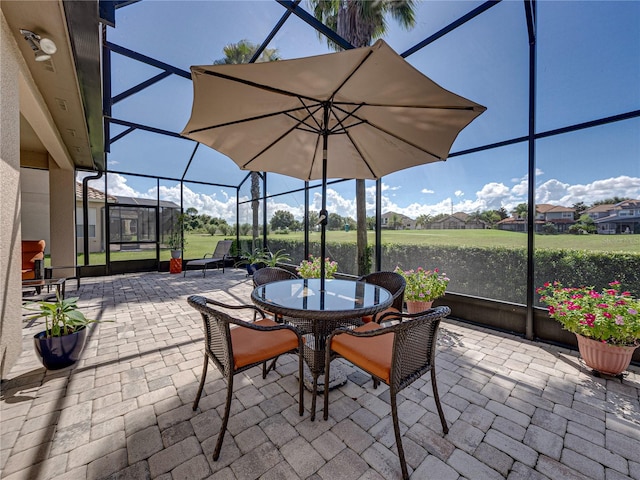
{"x": 266, "y": 370}
{"x": 434, "y": 386}
{"x": 326, "y": 389}
{"x": 204, "y": 375}
{"x": 301, "y": 383}
{"x": 314, "y": 394}
{"x": 225, "y": 420}
{"x": 396, "y": 429}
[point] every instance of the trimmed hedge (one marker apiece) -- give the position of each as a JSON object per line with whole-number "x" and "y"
{"x": 498, "y": 273}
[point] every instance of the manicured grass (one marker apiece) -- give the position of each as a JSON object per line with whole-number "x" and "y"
{"x": 200, "y": 244}
{"x": 487, "y": 238}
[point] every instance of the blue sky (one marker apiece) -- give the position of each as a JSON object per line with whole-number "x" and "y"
{"x": 588, "y": 67}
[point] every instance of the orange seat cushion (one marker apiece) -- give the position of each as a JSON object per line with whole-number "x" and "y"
{"x": 371, "y": 318}
{"x": 373, "y": 354}
{"x": 254, "y": 346}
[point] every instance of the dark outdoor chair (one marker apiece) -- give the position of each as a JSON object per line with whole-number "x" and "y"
{"x": 392, "y": 281}
{"x": 234, "y": 350}
{"x": 397, "y": 355}
{"x": 272, "y": 274}
{"x": 219, "y": 257}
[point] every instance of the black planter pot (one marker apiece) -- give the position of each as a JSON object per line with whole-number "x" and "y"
{"x": 253, "y": 267}
{"x": 59, "y": 352}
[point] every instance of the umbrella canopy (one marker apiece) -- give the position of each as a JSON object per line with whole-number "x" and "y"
{"x": 361, "y": 113}
{"x": 383, "y": 114}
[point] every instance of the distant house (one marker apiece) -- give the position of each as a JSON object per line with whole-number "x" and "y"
{"x": 130, "y": 219}
{"x": 623, "y": 217}
{"x": 397, "y": 221}
{"x": 458, "y": 221}
{"x": 560, "y": 217}
{"x": 96, "y": 217}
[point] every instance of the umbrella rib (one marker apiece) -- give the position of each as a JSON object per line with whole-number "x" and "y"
{"x": 258, "y": 85}
{"x": 383, "y": 130}
{"x": 250, "y": 119}
{"x": 297, "y": 126}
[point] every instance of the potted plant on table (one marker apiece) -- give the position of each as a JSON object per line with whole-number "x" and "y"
{"x": 423, "y": 287}
{"x": 311, "y": 268}
{"x": 62, "y": 341}
{"x": 606, "y": 323}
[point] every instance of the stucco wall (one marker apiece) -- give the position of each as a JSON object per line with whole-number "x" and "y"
{"x": 35, "y": 205}
{"x": 10, "y": 207}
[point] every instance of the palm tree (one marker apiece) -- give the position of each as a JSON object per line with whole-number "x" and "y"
{"x": 243, "y": 52}
{"x": 359, "y": 22}
{"x": 423, "y": 220}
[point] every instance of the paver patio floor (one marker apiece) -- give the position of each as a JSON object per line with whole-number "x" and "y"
{"x": 516, "y": 409}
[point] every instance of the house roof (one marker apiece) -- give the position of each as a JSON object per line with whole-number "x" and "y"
{"x": 146, "y": 202}
{"x": 94, "y": 194}
{"x": 547, "y": 208}
{"x": 600, "y": 208}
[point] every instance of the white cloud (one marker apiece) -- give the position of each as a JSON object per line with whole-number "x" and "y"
{"x": 426, "y": 190}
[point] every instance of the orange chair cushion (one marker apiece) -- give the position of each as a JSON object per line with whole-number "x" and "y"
{"x": 372, "y": 354}
{"x": 371, "y": 318}
{"x": 32, "y": 250}
{"x": 254, "y": 346}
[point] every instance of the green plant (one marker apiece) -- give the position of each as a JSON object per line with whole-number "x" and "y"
{"x": 62, "y": 316}
{"x": 254, "y": 257}
{"x": 609, "y": 316}
{"x": 175, "y": 240}
{"x": 423, "y": 285}
{"x": 311, "y": 268}
{"x": 272, "y": 259}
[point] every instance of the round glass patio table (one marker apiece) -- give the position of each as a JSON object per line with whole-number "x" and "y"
{"x": 317, "y": 313}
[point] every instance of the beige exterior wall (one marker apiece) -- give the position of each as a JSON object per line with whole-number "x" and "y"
{"x": 62, "y": 213}
{"x": 10, "y": 207}
{"x": 20, "y": 96}
{"x": 34, "y": 185}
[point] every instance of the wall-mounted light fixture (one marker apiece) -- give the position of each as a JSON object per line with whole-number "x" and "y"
{"x": 42, "y": 47}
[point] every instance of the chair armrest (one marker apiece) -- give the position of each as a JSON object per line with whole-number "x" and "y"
{"x": 235, "y": 307}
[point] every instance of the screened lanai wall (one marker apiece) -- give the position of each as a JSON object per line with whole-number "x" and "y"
{"x": 560, "y": 83}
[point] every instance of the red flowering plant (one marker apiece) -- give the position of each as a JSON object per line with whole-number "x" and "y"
{"x": 609, "y": 316}
{"x": 423, "y": 285}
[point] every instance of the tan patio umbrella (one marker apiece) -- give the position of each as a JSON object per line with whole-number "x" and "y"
{"x": 381, "y": 113}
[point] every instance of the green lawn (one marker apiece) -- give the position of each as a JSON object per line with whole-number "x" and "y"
{"x": 199, "y": 244}
{"x": 488, "y": 238}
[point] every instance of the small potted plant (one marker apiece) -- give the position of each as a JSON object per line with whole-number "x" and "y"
{"x": 606, "y": 323}
{"x": 62, "y": 341}
{"x": 254, "y": 260}
{"x": 272, "y": 259}
{"x": 311, "y": 268}
{"x": 176, "y": 241}
{"x": 423, "y": 287}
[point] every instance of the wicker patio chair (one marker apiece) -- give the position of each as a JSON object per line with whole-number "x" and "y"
{"x": 393, "y": 282}
{"x": 397, "y": 355}
{"x": 272, "y": 274}
{"x": 234, "y": 350}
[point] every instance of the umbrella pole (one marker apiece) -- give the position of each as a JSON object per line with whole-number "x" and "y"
{"x": 323, "y": 213}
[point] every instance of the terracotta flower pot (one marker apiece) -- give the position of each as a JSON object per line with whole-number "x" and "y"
{"x": 604, "y": 358}
{"x": 414, "y": 306}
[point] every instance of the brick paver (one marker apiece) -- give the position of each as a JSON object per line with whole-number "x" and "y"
{"x": 516, "y": 409}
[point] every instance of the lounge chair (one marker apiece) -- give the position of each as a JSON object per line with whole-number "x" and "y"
{"x": 219, "y": 256}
